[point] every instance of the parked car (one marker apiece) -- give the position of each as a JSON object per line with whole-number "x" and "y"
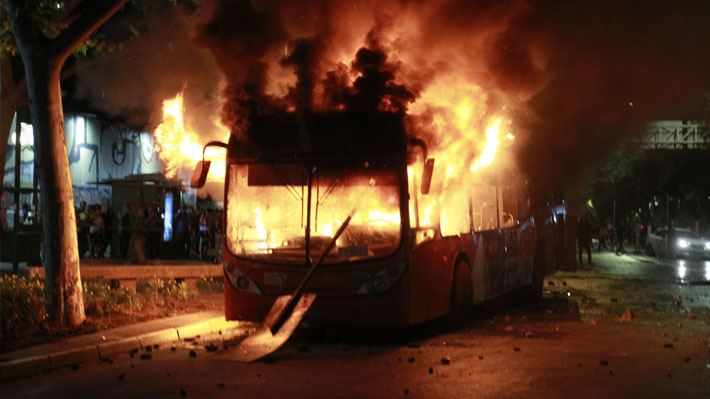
{"x": 675, "y": 243}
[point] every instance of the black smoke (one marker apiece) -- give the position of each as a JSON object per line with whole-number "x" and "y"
{"x": 578, "y": 78}
{"x": 160, "y": 60}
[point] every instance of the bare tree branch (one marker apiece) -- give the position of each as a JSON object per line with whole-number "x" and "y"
{"x": 89, "y": 62}
{"x": 68, "y": 10}
{"x": 93, "y": 17}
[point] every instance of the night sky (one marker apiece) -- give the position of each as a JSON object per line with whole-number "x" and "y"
{"x": 575, "y": 78}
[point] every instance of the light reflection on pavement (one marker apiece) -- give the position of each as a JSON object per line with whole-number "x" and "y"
{"x": 688, "y": 271}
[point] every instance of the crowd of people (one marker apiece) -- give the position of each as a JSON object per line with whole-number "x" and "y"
{"x": 139, "y": 231}
{"x": 610, "y": 237}
{"x": 94, "y": 228}
{"x": 197, "y": 232}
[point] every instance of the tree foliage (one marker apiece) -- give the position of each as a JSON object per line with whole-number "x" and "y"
{"x": 651, "y": 183}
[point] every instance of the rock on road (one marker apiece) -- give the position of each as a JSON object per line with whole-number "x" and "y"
{"x": 619, "y": 330}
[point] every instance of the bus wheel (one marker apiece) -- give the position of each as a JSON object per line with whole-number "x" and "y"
{"x": 461, "y": 291}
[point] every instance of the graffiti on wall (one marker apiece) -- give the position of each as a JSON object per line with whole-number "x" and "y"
{"x": 125, "y": 152}
{"x": 119, "y": 152}
{"x": 96, "y": 155}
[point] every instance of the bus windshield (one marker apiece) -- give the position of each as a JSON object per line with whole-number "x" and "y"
{"x": 267, "y": 209}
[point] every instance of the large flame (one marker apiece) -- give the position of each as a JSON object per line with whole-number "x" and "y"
{"x": 466, "y": 130}
{"x": 466, "y": 133}
{"x": 180, "y": 148}
{"x": 466, "y": 136}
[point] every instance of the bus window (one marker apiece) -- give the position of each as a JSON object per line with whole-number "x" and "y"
{"x": 426, "y": 204}
{"x": 455, "y": 215}
{"x": 483, "y": 207}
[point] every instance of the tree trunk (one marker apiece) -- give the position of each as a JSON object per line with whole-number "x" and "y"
{"x": 61, "y": 254}
{"x": 43, "y": 58}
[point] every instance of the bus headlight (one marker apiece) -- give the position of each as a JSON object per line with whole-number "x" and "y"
{"x": 423, "y": 235}
{"x": 239, "y": 280}
{"x": 383, "y": 279}
{"x": 683, "y": 243}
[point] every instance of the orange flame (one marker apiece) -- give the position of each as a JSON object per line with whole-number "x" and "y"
{"x": 465, "y": 135}
{"x": 180, "y": 148}
{"x": 466, "y": 132}
{"x": 489, "y": 151}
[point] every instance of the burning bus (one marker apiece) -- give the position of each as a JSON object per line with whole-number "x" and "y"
{"x": 416, "y": 248}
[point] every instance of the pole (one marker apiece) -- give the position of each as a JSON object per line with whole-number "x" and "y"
{"x": 18, "y": 207}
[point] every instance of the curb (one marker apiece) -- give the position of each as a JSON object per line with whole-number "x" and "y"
{"x": 33, "y": 365}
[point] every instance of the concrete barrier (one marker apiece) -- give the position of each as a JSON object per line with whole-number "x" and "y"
{"x": 127, "y": 275}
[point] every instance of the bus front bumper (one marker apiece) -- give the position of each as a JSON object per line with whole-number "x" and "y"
{"x": 388, "y": 309}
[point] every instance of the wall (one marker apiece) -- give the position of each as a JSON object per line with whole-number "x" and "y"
{"x": 97, "y": 154}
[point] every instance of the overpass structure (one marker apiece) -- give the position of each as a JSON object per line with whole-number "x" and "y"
{"x": 675, "y": 135}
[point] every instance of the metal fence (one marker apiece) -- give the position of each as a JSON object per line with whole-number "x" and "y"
{"x": 675, "y": 135}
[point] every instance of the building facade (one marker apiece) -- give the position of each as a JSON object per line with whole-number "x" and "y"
{"x": 99, "y": 152}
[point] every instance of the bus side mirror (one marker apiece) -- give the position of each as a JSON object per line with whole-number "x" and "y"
{"x": 199, "y": 175}
{"x": 427, "y": 171}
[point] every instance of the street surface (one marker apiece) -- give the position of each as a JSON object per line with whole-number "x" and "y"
{"x": 630, "y": 326}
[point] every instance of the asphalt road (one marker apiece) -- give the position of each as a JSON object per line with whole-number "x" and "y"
{"x": 629, "y": 327}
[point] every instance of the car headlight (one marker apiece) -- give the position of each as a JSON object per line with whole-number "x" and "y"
{"x": 683, "y": 243}
{"x": 707, "y": 245}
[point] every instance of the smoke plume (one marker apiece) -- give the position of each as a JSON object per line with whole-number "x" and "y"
{"x": 574, "y": 79}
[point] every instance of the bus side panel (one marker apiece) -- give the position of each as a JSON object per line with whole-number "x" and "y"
{"x": 469, "y": 249}
{"x": 493, "y": 247}
{"x": 513, "y": 273}
{"x": 431, "y": 272}
{"x": 479, "y": 271}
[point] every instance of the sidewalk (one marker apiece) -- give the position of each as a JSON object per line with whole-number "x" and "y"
{"x": 104, "y": 345}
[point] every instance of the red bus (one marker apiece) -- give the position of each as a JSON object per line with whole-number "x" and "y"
{"x": 414, "y": 250}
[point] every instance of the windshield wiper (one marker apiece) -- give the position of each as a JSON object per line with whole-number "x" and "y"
{"x": 330, "y": 188}
{"x": 308, "y": 217}
{"x": 326, "y": 193}
{"x": 291, "y": 189}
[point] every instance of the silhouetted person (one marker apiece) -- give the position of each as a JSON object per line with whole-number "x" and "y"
{"x": 204, "y": 244}
{"x": 136, "y": 246}
{"x": 124, "y": 229}
{"x": 109, "y": 226}
{"x": 182, "y": 242}
{"x": 620, "y": 231}
{"x": 82, "y": 228}
{"x": 153, "y": 236}
{"x": 584, "y": 240}
{"x": 96, "y": 232}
